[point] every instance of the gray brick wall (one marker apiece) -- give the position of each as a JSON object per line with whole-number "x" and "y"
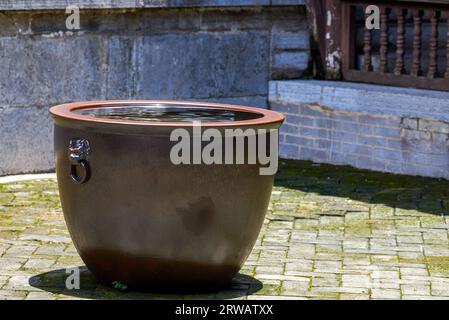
{"x": 218, "y": 54}
{"x": 376, "y": 141}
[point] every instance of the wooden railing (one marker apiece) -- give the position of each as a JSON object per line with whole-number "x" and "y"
{"x": 411, "y": 48}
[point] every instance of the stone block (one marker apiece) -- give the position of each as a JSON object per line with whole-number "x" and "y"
{"x": 323, "y": 143}
{"x": 284, "y": 108}
{"x": 387, "y": 121}
{"x": 289, "y": 64}
{"x": 344, "y": 136}
{"x": 351, "y": 148}
{"x": 410, "y": 123}
{"x": 290, "y": 151}
{"x": 121, "y": 68}
{"x": 365, "y": 129}
{"x": 316, "y": 155}
{"x": 289, "y": 129}
{"x": 290, "y": 40}
{"x": 300, "y": 141}
{"x": 314, "y": 133}
{"x": 370, "y": 163}
{"x": 287, "y": 2}
{"x": 12, "y": 24}
{"x": 388, "y": 154}
{"x": 357, "y": 97}
{"x": 50, "y": 70}
{"x": 194, "y": 3}
{"x": 135, "y": 4}
{"x": 393, "y": 133}
{"x": 62, "y": 4}
{"x": 312, "y": 111}
{"x": 251, "y": 101}
{"x": 433, "y": 126}
{"x": 26, "y": 140}
{"x": 202, "y": 66}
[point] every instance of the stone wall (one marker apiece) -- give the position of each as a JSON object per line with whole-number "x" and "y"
{"x": 146, "y": 51}
{"x": 137, "y": 4}
{"x": 388, "y": 129}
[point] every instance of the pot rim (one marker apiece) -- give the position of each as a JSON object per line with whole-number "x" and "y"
{"x": 66, "y": 111}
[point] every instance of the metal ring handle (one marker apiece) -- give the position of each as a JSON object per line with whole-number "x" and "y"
{"x": 74, "y": 175}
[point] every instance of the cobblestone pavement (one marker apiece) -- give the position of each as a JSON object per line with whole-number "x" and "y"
{"x": 330, "y": 233}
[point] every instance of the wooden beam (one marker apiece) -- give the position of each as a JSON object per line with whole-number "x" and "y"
{"x": 325, "y": 27}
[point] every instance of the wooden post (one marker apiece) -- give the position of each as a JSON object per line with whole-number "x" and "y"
{"x": 433, "y": 45}
{"x": 385, "y": 12}
{"x": 417, "y": 24}
{"x": 367, "y": 40}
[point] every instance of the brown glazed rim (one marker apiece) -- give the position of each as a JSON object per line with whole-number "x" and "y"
{"x": 66, "y": 111}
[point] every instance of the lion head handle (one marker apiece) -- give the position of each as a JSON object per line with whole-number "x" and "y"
{"x": 79, "y": 149}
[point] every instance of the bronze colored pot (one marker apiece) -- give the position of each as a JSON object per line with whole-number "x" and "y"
{"x": 137, "y": 218}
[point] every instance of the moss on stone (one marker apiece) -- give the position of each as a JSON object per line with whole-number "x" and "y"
{"x": 320, "y": 207}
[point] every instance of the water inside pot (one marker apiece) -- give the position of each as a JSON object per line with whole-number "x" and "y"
{"x": 168, "y": 113}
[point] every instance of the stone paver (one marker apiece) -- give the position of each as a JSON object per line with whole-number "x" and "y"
{"x": 330, "y": 233}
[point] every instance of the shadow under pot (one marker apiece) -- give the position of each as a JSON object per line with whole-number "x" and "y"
{"x": 164, "y": 195}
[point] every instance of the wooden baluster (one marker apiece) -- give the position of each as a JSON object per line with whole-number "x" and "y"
{"x": 446, "y": 74}
{"x": 400, "y": 42}
{"x": 417, "y": 24}
{"x": 384, "y": 39}
{"x": 433, "y": 46}
{"x": 367, "y": 39}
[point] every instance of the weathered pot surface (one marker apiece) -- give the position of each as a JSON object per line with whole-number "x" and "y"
{"x": 136, "y": 217}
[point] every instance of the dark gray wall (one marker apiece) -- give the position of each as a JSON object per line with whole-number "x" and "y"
{"x": 215, "y": 54}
